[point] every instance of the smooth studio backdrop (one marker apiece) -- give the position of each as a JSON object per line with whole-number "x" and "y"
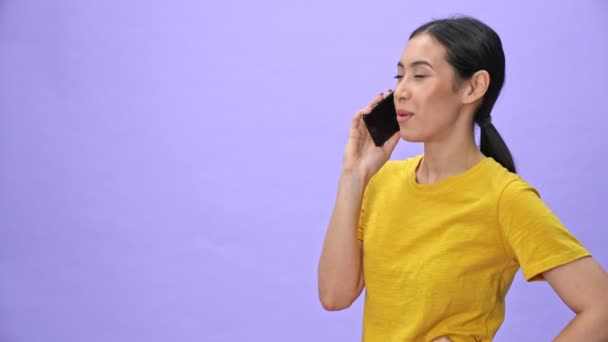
{"x": 168, "y": 168}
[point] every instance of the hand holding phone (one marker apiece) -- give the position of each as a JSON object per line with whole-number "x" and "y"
{"x": 362, "y": 155}
{"x": 382, "y": 121}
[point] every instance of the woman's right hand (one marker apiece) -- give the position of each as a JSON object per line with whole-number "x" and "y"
{"x": 362, "y": 155}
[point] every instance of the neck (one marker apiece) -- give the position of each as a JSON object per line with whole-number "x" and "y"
{"x": 448, "y": 157}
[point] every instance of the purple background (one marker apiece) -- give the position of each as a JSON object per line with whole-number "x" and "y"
{"x": 169, "y": 168}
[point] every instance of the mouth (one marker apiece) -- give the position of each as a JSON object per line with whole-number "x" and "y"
{"x": 404, "y": 115}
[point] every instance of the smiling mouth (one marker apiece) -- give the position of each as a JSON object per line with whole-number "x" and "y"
{"x": 403, "y": 115}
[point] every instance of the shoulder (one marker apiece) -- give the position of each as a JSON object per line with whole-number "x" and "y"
{"x": 513, "y": 193}
{"x": 505, "y": 182}
{"x": 401, "y": 165}
{"x": 391, "y": 174}
{"x": 395, "y": 170}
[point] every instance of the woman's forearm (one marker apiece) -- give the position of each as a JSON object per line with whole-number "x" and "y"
{"x": 340, "y": 262}
{"x": 588, "y": 326}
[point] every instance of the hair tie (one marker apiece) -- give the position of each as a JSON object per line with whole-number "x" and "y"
{"x": 485, "y": 122}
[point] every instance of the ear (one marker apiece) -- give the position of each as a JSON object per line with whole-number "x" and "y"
{"x": 476, "y": 87}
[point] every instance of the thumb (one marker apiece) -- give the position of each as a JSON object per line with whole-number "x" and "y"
{"x": 390, "y": 144}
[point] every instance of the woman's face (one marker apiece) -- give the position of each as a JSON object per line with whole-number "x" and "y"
{"x": 427, "y": 103}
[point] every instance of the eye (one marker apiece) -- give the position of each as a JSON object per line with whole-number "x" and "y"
{"x": 419, "y": 76}
{"x": 398, "y": 77}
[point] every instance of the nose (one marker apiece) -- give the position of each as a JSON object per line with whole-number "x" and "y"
{"x": 402, "y": 92}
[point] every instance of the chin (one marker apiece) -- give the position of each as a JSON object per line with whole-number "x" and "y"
{"x": 411, "y": 136}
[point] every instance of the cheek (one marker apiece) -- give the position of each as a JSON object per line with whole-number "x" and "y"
{"x": 437, "y": 102}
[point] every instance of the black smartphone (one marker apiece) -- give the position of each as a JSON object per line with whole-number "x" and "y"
{"x": 382, "y": 121}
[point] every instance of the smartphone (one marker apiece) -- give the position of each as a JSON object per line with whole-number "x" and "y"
{"x": 382, "y": 121}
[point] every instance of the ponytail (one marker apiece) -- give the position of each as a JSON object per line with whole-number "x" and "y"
{"x": 492, "y": 145}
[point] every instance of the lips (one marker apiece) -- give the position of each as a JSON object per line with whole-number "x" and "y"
{"x": 403, "y": 115}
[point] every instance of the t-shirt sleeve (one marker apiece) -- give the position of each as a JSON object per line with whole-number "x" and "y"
{"x": 360, "y": 228}
{"x": 364, "y": 214}
{"x": 534, "y": 236}
{"x": 367, "y": 203}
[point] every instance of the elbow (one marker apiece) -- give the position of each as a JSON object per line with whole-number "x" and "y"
{"x": 603, "y": 317}
{"x": 339, "y": 292}
{"x": 331, "y": 304}
{"x": 336, "y": 300}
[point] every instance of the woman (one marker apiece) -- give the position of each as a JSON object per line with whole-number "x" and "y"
{"x": 437, "y": 239}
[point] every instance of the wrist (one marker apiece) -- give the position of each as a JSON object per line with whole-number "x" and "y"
{"x": 354, "y": 175}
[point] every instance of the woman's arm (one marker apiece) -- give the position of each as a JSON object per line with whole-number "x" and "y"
{"x": 340, "y": 265}
{"x": 583, "y": 286}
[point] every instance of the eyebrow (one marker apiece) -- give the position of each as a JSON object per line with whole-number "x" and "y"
{"x": 414, "y": 63}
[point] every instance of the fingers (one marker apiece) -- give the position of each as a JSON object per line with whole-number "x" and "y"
{"x": 370, "y": 106}
{"x": 375, "y": 101}
{"x": 357, "y": 117}
{"x": 379, "y": 98}
{"x": 390, "y": 144}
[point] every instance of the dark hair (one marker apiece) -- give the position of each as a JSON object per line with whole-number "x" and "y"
{"x": 471, "y": 46}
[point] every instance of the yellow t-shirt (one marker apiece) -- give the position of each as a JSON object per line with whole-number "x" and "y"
{"x": 439, "y": 258}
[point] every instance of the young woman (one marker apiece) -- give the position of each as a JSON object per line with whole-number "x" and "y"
{"x": 437, "y": 239}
